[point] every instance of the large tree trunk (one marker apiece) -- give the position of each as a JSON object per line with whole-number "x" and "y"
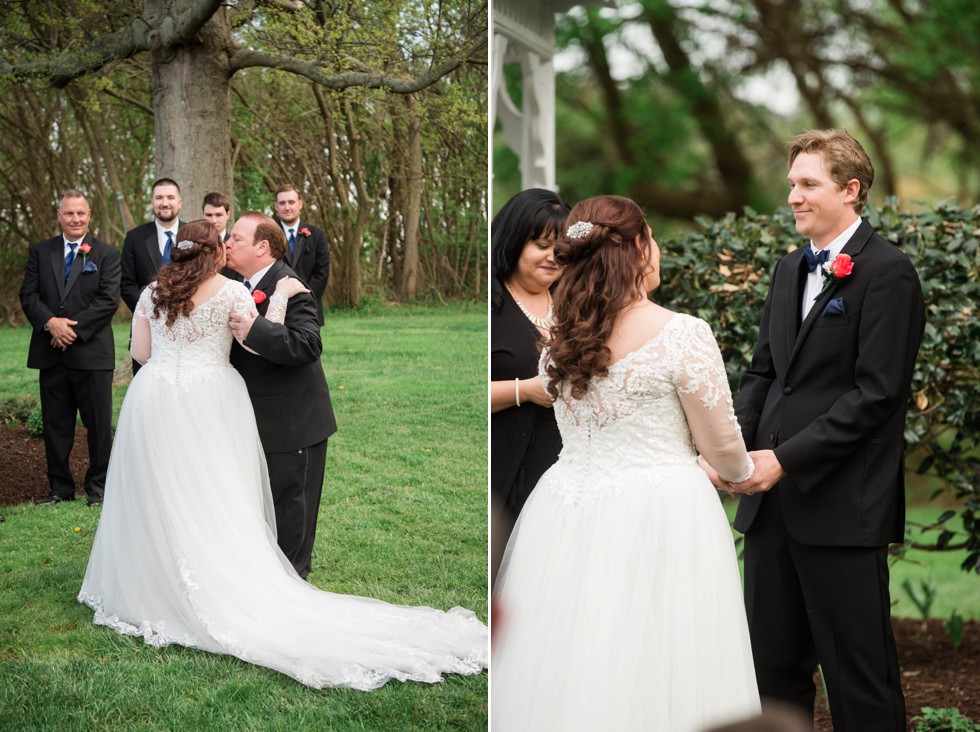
{"x": 191, "y": 88}
{"x": 409, "y": 280}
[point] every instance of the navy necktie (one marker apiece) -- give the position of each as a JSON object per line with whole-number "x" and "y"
{"x": 292, "y": 241}
{"x": 248, "y": 285}
{"x": 815, "y": 260}
{"x": 70, "y": 259}
{"x": 166, "y": 249}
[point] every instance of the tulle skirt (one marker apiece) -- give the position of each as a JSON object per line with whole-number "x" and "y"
{"x": 620, "y": 608}
{"x": 186, "y": 553}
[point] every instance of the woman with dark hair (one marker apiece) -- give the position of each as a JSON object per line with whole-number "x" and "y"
{"x": 186, "y": 547}
{"x": 620, "y": 582}
{"x": 524, "y": 439}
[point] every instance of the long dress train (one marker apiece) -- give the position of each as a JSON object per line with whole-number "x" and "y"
{"x": 619, "y": 594}
{"x": 186, "y": 548}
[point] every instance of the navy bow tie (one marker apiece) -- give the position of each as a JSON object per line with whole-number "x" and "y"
{"x": 815, "y": 260}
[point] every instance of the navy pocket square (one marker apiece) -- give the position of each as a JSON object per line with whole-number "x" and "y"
{"x": 89, "y": 267}
{"x": 834, "y": 307}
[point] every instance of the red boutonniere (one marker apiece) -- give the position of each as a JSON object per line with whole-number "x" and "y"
{"x": 836, "y": 270}
{"x": 304, "y": 231}
{"x": 259, "y": 297}
{"x": 84, "y": 248}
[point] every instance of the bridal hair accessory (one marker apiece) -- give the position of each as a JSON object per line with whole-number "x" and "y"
{"x": 579, "y": 230}
{"x": 185, "y": 244}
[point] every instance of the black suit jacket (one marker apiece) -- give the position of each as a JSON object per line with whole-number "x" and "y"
{"x": 286, "y": 383}
{"x": 90, "y": 296}
{"x": 830, "y": 397}
{"x": 140, "y": 261}
{"x": 311, "y": 261}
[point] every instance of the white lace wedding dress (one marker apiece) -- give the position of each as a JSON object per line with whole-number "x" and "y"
{"x": 186, "y": 548}
{"x": 619, "y": 598}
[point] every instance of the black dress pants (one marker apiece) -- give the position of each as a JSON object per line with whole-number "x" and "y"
{"x": 822, "y": 603}
{"x": 65, "y": 393}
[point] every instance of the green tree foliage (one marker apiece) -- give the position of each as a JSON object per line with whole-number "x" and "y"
{"x": 721, "y": 273}
{"x": 685, "y": 106}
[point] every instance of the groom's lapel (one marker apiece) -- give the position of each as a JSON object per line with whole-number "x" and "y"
{"x": 268, "y": 284}
{"x": 853, "y": 248}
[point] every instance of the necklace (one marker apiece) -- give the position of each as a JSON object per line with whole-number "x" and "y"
{"x": 547, "y": 321}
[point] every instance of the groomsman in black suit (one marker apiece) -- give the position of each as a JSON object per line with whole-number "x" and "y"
{"x": 148, "y": 245}
{"x": 70, "y": 294}
{"x": 307, "y": 251}
{"x": 823, "y": 406}
{"x": 285, "y": 382}
{"x": 216, "y": 209}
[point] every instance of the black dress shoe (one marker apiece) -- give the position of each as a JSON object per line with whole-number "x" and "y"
{"x": 47, "y": 500}
{"x": 94, "y": 501}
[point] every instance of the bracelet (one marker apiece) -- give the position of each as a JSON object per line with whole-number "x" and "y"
{"x": 517, "y": 391}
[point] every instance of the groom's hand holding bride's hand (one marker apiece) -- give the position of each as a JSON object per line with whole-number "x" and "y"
{"x": 715, "y": 477}
{"x": 767, "y": 473}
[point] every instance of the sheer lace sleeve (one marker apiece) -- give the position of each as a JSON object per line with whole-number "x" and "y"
{"x": 276, "y": 312}
{"x": 242, "y": 302}
{"x": 707, "y": 401}
{"x": 140, "y": 346}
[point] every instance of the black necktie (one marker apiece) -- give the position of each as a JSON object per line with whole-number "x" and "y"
{"x": 815, "y": 260}
{"x": 166, "y": 249}
{"x": 70, "y": 259}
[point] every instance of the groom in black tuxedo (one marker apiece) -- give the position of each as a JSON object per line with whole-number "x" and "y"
{"x": 70, "y": 293}
{"x": 823, "y": 407}
{"x": 285, "y": 382}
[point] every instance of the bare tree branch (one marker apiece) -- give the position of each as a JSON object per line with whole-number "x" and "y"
{"x": 245, "y": 58}
{"x": 141, "y": 34}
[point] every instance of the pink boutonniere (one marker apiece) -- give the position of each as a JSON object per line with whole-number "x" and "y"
{"x": 836, "y": 270}
{"x": 84, "y": 248}
{"x": 259, "y": 297}
{"x": 304, "y": 231}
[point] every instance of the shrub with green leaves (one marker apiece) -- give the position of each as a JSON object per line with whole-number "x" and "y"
{"x": 722, "y": 272}
{"x": 943, "y": 720}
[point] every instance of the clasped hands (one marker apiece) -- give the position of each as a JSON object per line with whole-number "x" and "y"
{"x": 767, "y": 473}
{"x": 62, "y": 333}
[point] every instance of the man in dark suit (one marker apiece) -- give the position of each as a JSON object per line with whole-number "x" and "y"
{"x": 285, "y": 382}
{"x": 148, "y": 245}
{"x": 216, "y": 208}
{"x": 823, "y": 406}
{"x": 70, "y": 293}
{"x": 307, "y": 251}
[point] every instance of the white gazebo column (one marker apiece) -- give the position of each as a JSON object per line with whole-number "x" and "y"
{"x": 524, "y": 32}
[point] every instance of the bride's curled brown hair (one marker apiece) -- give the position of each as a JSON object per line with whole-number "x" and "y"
{"x": 195, "y": 256}
{"x": 604, "y": 272}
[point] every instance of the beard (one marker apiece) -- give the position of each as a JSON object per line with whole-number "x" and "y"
{"x": 165, "y": 216}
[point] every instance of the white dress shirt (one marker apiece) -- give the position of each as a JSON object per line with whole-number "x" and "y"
{"x": 814, "y": 279}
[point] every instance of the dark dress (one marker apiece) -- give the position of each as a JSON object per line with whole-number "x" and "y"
{"x": 524, "y": 440}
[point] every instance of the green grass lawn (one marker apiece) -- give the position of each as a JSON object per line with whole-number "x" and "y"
{"x": 403, "y": 518}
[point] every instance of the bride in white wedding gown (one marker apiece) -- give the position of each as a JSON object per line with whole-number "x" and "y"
{"x": 186, "y": 547}
{"x": 619, "y": 594}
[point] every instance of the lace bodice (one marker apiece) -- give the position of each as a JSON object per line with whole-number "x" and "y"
{"x": 658, "y": 406}
{"x": 197, "y": 346}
